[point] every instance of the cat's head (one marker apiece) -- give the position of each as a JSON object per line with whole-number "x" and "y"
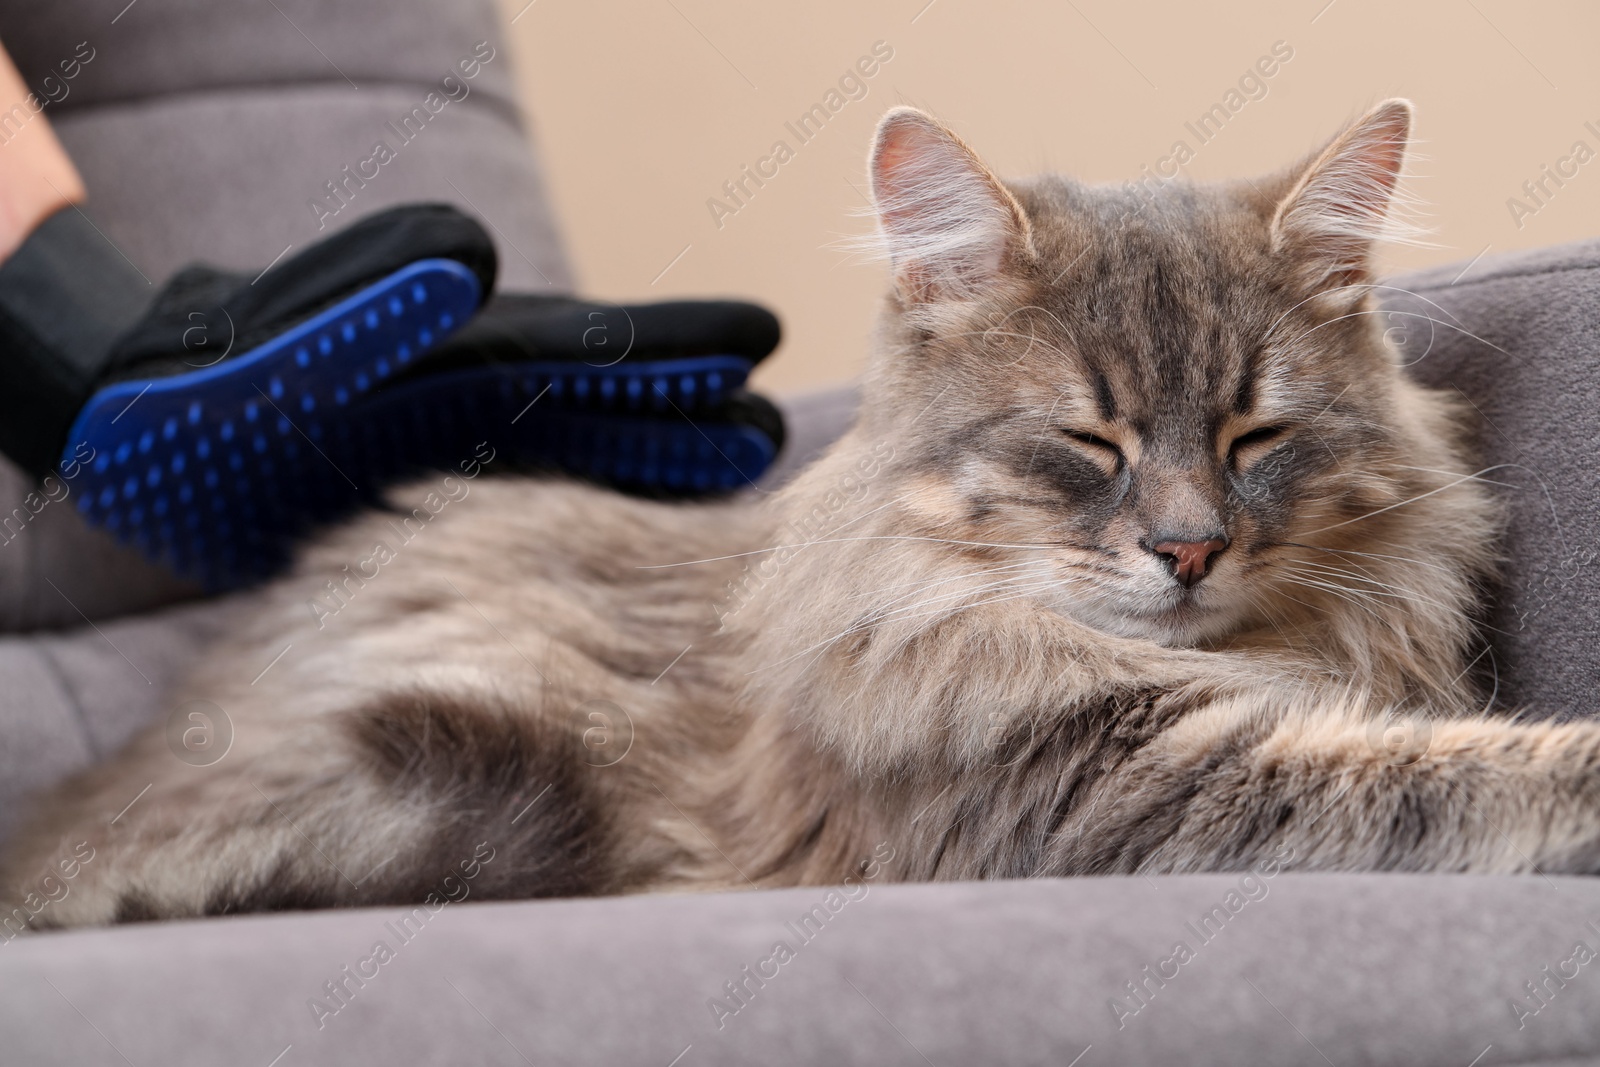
{"x": 1161, "y": 391}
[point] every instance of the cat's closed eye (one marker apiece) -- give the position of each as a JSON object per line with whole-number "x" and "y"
{"x": 1104, "y": 452}
{"x": 1251, "y": 445}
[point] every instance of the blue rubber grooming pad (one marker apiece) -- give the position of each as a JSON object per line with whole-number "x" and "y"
{"x": 209, "y": 470}
{"x": 443, "y": 421}
{"x": 437, "y": 422}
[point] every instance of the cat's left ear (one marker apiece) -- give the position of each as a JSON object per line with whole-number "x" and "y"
{"x": 1338, "y": 205}
{"x": 952, "y": 229}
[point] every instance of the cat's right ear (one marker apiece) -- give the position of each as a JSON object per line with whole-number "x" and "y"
{"x": 952, "y": 229}
{"x": 1338, "y": 205}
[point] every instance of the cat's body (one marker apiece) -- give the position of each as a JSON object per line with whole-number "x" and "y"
{"x": 1142, "y": 556}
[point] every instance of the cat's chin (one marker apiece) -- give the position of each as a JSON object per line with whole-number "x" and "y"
{"x": 1182, "y": 624}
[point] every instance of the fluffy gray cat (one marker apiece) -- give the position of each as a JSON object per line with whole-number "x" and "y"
{"x": 1143, "y": 556}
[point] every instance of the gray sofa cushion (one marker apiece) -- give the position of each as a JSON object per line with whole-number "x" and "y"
{"x": 159, "y": 48}
{"x": 1518, "y": 336}
{"x": 1329, "y": 969}
{"x": 70, "y": 699}
{"x": 236, "y": 154}
{"x": 203, "y": 129}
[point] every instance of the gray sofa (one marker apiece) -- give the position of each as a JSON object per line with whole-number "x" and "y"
{"x": 203, "y": 129}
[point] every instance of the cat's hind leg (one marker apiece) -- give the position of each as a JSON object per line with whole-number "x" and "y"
{"x": 409, "y": 798}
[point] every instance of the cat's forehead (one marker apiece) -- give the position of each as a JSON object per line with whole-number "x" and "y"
{"x": 1159, "y": 308}
{"x": 1182, "y": 250}
{"x": 1140, "y": 314}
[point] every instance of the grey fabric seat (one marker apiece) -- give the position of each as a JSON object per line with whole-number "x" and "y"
{"x": 1403, "y": 970}
{"x": 202, "y": 129}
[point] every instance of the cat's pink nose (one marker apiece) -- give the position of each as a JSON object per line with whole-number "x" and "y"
{"x": 1189, "y": 558}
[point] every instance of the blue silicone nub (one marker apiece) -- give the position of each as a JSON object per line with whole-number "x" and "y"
{"x": 216, "y": 472}
{"x": 213, "y": 471}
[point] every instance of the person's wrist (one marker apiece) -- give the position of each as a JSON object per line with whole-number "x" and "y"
{"x": 37, "y": 179}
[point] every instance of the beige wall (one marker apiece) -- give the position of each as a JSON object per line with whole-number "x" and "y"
{"x": 645, "y": 107}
